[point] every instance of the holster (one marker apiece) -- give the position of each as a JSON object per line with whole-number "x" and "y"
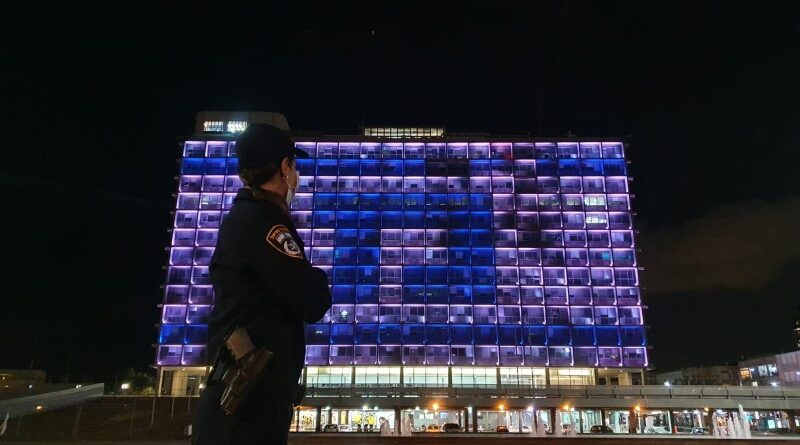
{"x": 241, "y": 378}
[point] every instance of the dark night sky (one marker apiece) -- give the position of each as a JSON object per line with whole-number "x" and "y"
{"x": 94, "y": 101}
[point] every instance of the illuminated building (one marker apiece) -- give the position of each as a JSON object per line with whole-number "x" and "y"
{"x": 454, "y": 261}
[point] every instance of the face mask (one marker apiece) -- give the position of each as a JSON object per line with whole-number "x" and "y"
{"x": 291, "y": 191}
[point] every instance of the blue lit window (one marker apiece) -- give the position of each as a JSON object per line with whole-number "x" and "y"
{"x": 413, "y": 293}
{"x": 347, "y": 167}
{"x": 392, "y": 220}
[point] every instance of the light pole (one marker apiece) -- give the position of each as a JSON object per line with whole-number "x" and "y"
{"x": 33, "y": 356}
{"x": 33, "y": 348}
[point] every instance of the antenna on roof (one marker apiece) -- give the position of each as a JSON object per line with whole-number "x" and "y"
{"x": 538, "y": 114}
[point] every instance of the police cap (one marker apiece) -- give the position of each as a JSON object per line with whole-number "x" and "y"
{"x": 262, "y": 144}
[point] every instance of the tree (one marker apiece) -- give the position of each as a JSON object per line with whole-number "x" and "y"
{"x": 797, "y": 329}
{"x": 139, "y": 383}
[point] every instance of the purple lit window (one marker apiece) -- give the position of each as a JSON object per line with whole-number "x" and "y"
{"x": 437, "y": 355}
{"x": 634, "y": 357}
{"x": 560, "y": 356}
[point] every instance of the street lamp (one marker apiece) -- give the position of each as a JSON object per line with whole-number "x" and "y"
{"x": 33, "y": 348}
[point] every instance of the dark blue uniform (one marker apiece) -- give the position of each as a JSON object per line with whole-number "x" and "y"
{"x": 263, "y": 282}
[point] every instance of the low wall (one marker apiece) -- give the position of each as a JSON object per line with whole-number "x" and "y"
{"x": 22, "y": 406}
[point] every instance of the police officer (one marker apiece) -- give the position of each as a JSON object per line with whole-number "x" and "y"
{"x": 264, "y": 284}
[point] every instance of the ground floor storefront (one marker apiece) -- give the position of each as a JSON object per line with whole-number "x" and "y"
{"x": 518, "y": 399}
{"x": 566, "y": 420}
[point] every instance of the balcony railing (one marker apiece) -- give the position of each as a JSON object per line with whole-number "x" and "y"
{"x": 556, "y": 391}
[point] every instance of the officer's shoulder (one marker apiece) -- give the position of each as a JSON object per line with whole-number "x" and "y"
{"x": 258, "y": 216}
{"x": 251, "y": 212}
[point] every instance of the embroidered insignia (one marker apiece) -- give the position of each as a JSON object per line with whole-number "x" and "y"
{"x": 281, "y": 239}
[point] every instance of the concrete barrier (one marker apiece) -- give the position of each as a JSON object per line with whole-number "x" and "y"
{"x": 22, "y": 406}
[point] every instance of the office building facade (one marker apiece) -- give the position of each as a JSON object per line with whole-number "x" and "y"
{"x": 454, "y": 260}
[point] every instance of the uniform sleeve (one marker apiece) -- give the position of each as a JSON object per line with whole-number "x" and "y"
{"x": 298, "y": 286}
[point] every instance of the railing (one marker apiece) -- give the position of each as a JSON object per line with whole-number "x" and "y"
{"x": 111, "y": 419}
{"x": 555, "y": 391}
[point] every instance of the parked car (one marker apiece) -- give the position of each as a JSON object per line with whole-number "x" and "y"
{"x": 433, "y": 429}
{"x": 344, "y": 428}
{"x": 330, "y": 428}
{"x": 501, "y": 429}
{"x": 600, "y": 429}
{"x": 699, "y": 430}
{"x": 451, "y": 428}
{"x": 656, "y": 430}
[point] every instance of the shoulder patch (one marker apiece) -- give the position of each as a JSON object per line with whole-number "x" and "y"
{"x": 280, "y": 238}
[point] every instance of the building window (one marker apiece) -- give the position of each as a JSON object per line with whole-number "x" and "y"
{"x": 377, "y": 376}
{"x": 571, "y": 377}
{"x": 469, "y": 377}
{"x": 213, "y": 126}
{"x": 427, "y": 376}
{"x": 404, "y": 132}
{"x": 236, "y": 126}
{"x": 325, "y": 377}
